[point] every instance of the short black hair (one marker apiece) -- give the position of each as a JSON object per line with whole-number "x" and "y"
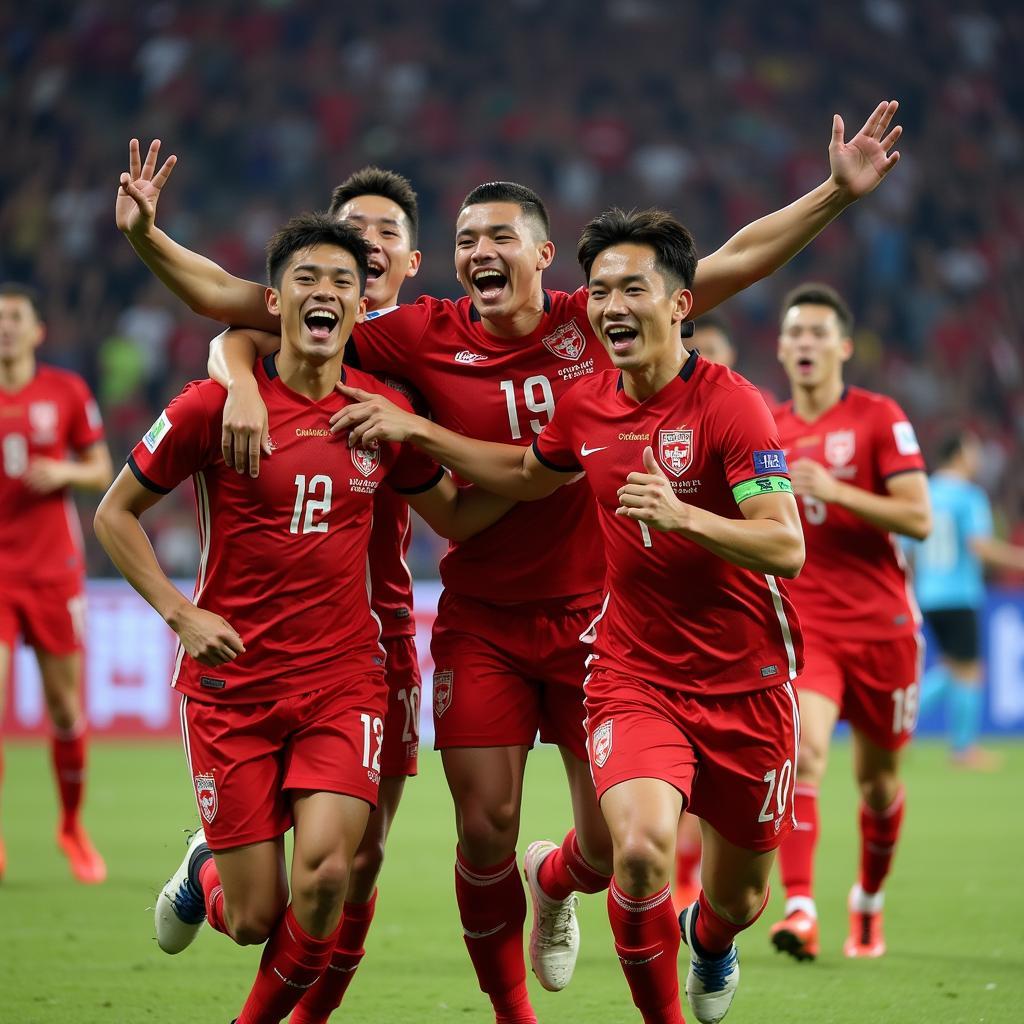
{"x": 953, "y": 443}
{"x": 376, "y": 181}
{"x": 814, "y": 293}
{"x": 15, "y": 289}
{"x": 307, "y": 230}
{"x": 674, "y": 249}
{"x": 510, "y": 192}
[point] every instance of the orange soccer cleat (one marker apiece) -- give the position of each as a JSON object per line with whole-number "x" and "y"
{"x": 86, "y": 863}
{"x": 797, "y": 935}
{"x": 865, "y": 938}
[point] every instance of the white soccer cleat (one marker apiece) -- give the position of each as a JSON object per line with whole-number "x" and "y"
{"x": 180, "y": 909}
{"x": 555, "y": 936}
{"x": 711, "y": 982}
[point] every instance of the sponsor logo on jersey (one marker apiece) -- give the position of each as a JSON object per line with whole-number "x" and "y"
{"x": 585, "y": 451}
{"x": 601, "y": 743}
{"x": 905, "y": 438}
{"x": 465, "y": 356}
{"x": 675, "y": 450}
{"x": 444, "y": 683}
{"x": 773, "y": 461}
{"x": 157, "y": 433}
{"x": 366, "y": 460}
{"x": 634, "y": 437}
{"x": 43, "y": 418}
{"x": 567, "y": 342}
{"x": 206, "y": 796}
{"x": 312, "y": 432}
{"x": 839, "y": 447}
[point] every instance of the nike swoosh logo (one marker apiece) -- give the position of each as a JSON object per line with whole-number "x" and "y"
{"x": 585, "y": 451}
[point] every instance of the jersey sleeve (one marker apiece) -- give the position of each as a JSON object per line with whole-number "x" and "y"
{"x": 180, "y": 441}
{"x": 387, "y": 341}
{"x": 554, "y": 446}
{"x": 86, "y": 424}
{"x": 750, "y": 447}
{"x": 979, "y": 515}
{"x": 896, "y": 447}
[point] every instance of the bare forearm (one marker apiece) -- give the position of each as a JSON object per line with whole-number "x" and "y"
{"x": 887, "y": 512}
{"x": 204, "y": 286}
{"x": 89, "y": 476}
{"x": 124, "y": 540}
{"x": 762, "y": 545}
{"x": 231, "y": 360}
{"x": 760, "y": 248}
{"x": 998, "y": 554}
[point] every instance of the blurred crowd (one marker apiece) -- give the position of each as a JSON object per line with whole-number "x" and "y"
{"x": 720, "y": 113}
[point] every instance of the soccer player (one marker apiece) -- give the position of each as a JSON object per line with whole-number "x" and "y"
{"x": 383, "y": 207}
{"x": 948, "y": 578}
{"x": 858, "y": 472}
{"x": 689, "y": 698}
{"x": 517, "y": 597}
{"x": 279, "y": 665}
{"x": 712, "y": 338}
{"x": 51, "y": 439}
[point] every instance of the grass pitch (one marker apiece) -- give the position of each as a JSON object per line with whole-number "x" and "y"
{"x": 82, "y": 955}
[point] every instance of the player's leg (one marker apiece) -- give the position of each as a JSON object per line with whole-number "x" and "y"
{"x": 688, "y": 853}
{"x": 642, "y": 815}
{"x": 821, "y": 688}
{"x": 966, "y": 697}
{"x": 328, "y": 828}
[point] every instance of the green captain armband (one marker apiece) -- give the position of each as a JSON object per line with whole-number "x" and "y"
{"x": 761, "y": 485}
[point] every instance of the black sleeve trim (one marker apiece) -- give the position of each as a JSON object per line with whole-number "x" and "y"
{"x": 429, "y": 485}
{"x": 544, "y": 461}
{"x": 903, "y": 472}
{"x": 144, "y": 480}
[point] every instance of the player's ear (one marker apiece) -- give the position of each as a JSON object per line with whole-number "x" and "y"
{"x": 545, "y": 254}
{"x": 846, "y": 349}
{"x": 361, "y": 311}
{"x": 273, "y": 300}
{"x": 682, "y": 303}
{"x": 415, "y": 258}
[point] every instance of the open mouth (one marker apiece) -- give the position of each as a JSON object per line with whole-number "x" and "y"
{"x": 321, "y": 322}
{"x": 489, "y": 283}
{"x": 805, "y": 365}
{"x": 621, "y": 338}
{"x": 374, "y": 272}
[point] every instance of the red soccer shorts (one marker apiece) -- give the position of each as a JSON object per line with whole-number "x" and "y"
{"x": 504, "y": 672}
{"x": 875, "y": 683}
{"x": 50, "y": 616}
{"x": 732, "y": 758}
{"x": 243, "y": 758}
{"x": 399, "y": 753}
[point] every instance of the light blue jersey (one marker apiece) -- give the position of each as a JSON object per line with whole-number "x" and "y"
{"x": 947, "y": 573}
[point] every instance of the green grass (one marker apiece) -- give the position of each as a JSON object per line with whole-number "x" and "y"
{"x": 84, "y": 955}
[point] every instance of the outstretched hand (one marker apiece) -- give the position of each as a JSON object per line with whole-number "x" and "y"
{"x": 139, "y": 190}
{"x": 858, "y": 166}
{"x": 371, "y": 419}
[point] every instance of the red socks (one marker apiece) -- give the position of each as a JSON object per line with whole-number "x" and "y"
{"x": 879, "y": 831}
{"x": 68, "y": 754}
{"x": 326, "y": 995}
{"x": 292, "y": 963}
{"x": 566, "y": 871}
{"x": 213, "y": 895}
{"x": 647, "y": 941}
{"x": 715, "y": 934}
{"x": 492, "y": 905}
{"x": 796, "y": 855}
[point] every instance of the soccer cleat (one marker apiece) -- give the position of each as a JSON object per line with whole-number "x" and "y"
{"x": 712, "y": 981}
{"x": 555, "y": 936}
{"x": 797, "y": 935}
{"x": 85, "y": 862}
{"x": 865, "y": 939}
{"x": 180, "y": 907}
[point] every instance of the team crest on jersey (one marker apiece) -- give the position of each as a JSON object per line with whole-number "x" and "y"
{"x": 839, "y": 447}
{"x": 206, "y": 796}
{"x": 601, "y": 743}
{"x": 43, "y": 418}
{"x": 568, "y": 342}
{"x": 366, "y": 460}
{"x": 675, "y": 449}
{"x": 444, "y": 683}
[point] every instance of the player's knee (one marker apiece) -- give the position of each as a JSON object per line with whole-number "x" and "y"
{"x": 488, "y": 831}
{"x": 741, "y": 903}
{"x": 251, "y": 926}
{"x": 366, "y": 865}
{"x": 323, "y": 884}
{"x": 879, "y": 790}
{"x": 642, "y": 863}
{"x": 811, "y": 762}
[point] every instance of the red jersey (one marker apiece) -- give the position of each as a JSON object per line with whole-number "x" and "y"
{"x": 501, "y": 389}
{"x": 675, "y": 614}
{"x": 53, "y": 416}
{"x": 284, "y": 556}
{"x": 853, "y": 583}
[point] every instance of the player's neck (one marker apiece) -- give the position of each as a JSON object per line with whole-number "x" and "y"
{"x": 312, "y": 380}
{"x": 17, "y": 372}
{"x": 810, "y": 403}
{"x": 644, "y": 382}
{"x": 519, "y": 323}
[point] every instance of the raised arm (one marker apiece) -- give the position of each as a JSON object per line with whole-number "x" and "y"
{"x": 760, "y": 248}
{"x": 504, "y": 469}
{"x": 207, "y": 637}
{"x": 767, "y": 539}
{"x": 205, "y": 287}
{"x": 458, "y": 513}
